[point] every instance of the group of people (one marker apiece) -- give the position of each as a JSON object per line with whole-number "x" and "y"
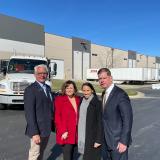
{"x": 92, "y": 127}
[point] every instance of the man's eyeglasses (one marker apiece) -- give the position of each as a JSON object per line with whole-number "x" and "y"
{"x": 42, "y": 73}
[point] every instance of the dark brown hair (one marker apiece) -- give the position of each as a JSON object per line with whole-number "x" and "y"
{"x": 90, "y": 86}
{"x": 104, "y": 70}
{"x": 66, "y": 84}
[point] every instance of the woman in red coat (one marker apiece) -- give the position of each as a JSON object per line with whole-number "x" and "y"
{"x": 66, "y": 119}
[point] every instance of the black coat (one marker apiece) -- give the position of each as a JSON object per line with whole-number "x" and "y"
{"x": 117, "y": 118}
{"x": 93, "y": 130}
{"x": 38, "y": 111}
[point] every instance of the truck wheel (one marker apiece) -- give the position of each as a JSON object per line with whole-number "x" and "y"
{"x": 3, "y": 106}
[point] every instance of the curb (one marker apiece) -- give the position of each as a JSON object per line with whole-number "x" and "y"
{"x": 139, "y": 95}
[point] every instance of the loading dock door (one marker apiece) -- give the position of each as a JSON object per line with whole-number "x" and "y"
{"x": 77, "y": 65}
{"x": 130, "y": 65}
{"x": 86, "y": 60}
{"x": 81, "y": 64}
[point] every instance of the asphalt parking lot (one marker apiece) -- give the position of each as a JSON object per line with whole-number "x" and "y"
{"x": 146, "y": 131}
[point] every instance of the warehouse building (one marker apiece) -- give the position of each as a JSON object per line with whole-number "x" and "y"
{"x": 19, "y": 36}
{"x": 73, "y": 55}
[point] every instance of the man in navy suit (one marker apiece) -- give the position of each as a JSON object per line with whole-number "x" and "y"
{"x": 117, "y": 118}
{"x": 38, "y": 108}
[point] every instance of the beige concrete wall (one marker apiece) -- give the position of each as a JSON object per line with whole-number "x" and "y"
{"x": 145, "y": 61}
{"x": 142, "y": 61}
{"x": 120, "y": 58}
{"x": 151, "y": 62}
{"x": 57, "y": 47}
{"x": 103, "y": 58}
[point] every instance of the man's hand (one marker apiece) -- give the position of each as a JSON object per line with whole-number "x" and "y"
{"x": 36, "y": 139}
{"x": 96, "y": 145}
{"x": 64, "y": 135}
{"x": 121, "y": 147}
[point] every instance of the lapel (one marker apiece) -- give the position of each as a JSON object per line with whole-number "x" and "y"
{"x": 49, "y": 91}
{"x": 77, "y": 102}
{"x": 111, "y": 95}
{"x": 42, "y": 96}
{"x": 92, "y": 103}
{"x": 66, "y": 102}
{"x": 69, "y": 104}
{"x": 40, "y": 89}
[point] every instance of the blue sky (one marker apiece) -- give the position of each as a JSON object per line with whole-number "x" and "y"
{"x": 124, "y": 24}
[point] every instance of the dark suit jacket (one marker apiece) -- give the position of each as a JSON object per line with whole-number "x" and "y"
{"x": 93, "y": 130}
{"x": 38, "y": 110}
{"x": 117, "y": 118}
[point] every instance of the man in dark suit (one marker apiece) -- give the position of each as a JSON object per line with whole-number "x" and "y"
{"x": 38, "y": 107}
{"x": 117, "y": 118}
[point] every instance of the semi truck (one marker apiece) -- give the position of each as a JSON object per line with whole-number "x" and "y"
{"x": 128, "y": 75}
{"x": 17, "y": 75}
{"x": 135, "y": 75}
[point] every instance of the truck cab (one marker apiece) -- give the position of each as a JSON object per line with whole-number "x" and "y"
{"x": 17, "y": 76}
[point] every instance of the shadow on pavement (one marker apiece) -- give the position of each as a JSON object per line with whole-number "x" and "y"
{"x": 12, "y": 107}
{"x": 56, "y": 152}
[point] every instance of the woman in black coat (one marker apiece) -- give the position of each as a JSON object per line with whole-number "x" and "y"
{"x": 90, "y": 124}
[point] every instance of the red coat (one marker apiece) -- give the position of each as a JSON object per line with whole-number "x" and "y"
{"x": 66, "y": 120}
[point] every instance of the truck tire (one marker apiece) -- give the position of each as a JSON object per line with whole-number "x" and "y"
{"x": 3, "y": 106}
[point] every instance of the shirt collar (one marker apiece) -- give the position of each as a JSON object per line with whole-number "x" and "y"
{"x": 108, "y": 90}
{"x": 41, "y": 84}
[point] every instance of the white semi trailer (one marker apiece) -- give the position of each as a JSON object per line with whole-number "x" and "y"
{"x": 140, "y": 75}
{"x": 135, "y": 74}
